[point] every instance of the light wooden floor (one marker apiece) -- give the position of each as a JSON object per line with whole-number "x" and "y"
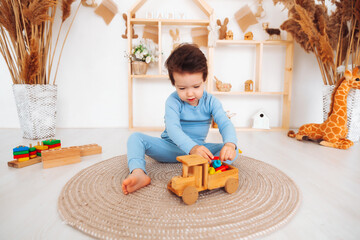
{"x": 329, "y": 180}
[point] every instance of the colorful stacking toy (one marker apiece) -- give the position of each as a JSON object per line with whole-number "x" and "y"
{"x": 52, "y": 143}
{"x": 217, "y": 166}
{"x": 40, "y": 148}
{"x": 21, "y": 153}
{"x": 32, "y": 151}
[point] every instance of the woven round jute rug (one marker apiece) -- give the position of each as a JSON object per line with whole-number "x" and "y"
{"x": 93, "y": 202}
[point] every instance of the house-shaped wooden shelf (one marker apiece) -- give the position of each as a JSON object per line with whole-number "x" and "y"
{"x": 285, "y": 94}
{"x": 205, "y": 8}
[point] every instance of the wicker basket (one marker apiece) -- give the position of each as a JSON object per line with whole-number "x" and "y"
{"x": 36, "y": 106}
{"x": 353, "y": 110}
{"x": 139, "y": 68}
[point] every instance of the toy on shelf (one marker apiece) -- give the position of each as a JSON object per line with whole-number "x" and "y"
{"x": 229, "y": 35}
{"x": 333, "y": 132}
{"x": 223, "y": 28}
{"x": 249, "y": 36}
{"x": 249, "y": 86}
{"x": 261, "y": 121}
{"x": 274, "y": 33}
{"x": 196, "y": 178}
{"x": 176, "y": 37}
{"x": 222, "y": 87}
{"x": 133, "y": 35}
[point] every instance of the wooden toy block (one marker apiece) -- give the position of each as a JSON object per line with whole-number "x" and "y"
{"x": 32, "y": 152}
{"x": 216, "y": 163}
{"x": 52, "y": 143}
{"x": 196, "y": 178}
{"x": 23, "y": 159}
{"x": 17, "y": 164}
{"x": 89, "y": 149}
{"x": 40, "y": 148}
{"x": 20, "y": 153}
{"x": 21, "y": 156}
{"x": 54, "y": 146}
{"x": 59, "y": 157}
{"x": 21, "y": 148}
{"x": 211, "y": 170}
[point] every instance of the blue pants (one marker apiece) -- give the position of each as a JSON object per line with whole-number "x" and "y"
{"x": 159, "y": 149}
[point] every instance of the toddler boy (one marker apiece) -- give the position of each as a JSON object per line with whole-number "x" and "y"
{"x": 188, "y": 114}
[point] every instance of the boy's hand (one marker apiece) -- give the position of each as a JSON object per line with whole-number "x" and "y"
{"x": 228, "y": 152}
{"x": 202, "y": 151}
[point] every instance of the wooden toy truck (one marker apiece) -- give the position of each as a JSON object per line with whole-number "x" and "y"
{"x": 195, "y": 178}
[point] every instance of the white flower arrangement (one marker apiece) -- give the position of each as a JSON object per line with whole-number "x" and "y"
{"x": 145, "y": 51}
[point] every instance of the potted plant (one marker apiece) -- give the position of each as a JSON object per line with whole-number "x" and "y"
{"x": 143, "y": 54}
{"x": 334, "y": 38}
{"x": 26, "y": 43}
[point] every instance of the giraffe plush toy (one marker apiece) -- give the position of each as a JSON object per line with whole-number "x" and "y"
{"x": 333, "y": 132}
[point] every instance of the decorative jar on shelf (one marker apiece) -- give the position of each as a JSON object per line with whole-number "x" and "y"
{"x": 139, "y": 67}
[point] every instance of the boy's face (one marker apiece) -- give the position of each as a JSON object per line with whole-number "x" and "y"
{"x": 189, "y": 87}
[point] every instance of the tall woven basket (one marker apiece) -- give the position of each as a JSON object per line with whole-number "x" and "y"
{"x": 36, "y": 106}
{"x": 353, "y": 110}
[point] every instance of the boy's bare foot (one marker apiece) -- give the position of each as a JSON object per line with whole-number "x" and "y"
{"x": 137, "y": 179}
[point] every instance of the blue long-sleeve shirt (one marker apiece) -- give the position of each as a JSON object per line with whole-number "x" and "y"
{"x": 188, "y": 126}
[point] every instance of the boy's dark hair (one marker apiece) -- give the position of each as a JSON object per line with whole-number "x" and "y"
{"x": 187, "y": 58}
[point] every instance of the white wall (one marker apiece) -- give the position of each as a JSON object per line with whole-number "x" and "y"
{"x": 92, "y": 78}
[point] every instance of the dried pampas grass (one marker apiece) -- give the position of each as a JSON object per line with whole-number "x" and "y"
{"x": 36, "y": 12}
{"x": 30, "y": 66}
{"x": 7, "y": 18}
{"x": 26, "y": 31}
{"x": 332, "y": 37}
{"x": 66, "y": 9}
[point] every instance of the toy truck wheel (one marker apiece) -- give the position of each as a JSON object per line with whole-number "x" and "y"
{"x": 231, "y": 185}
{"x": 190, "y": 195}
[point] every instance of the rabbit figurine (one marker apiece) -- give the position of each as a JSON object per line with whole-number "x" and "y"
{"x": 223, "y": 28}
